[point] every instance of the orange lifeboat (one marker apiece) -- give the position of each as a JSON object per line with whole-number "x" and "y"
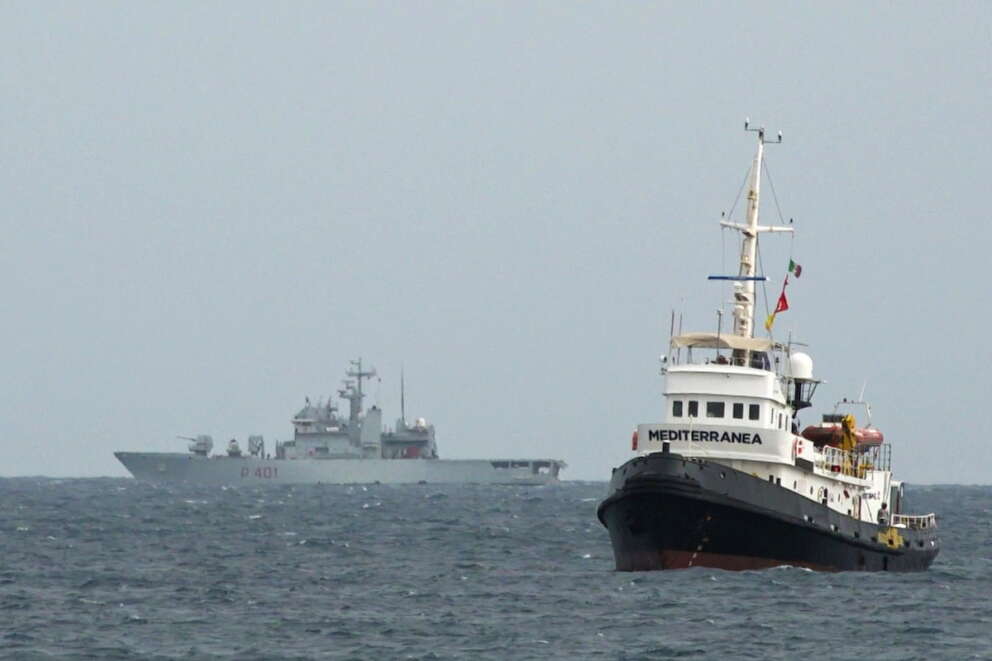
{"x": 869, "y": 436}
{"x": 823, "y": 434}
{"x": 833, "y": 434}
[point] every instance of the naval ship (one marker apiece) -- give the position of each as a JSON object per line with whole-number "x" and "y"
{"x": 331, "y": 449}
{"x": 728, "y": 481}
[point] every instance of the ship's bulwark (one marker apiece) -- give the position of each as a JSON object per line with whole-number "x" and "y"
{"x": 669, "y": 512}
{"x": 179, "y": 467}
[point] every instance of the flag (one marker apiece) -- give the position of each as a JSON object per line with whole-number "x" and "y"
{"x": 783, "y": 302}
{"x": 782, "y": 305}
{"x": 795, "y": 269}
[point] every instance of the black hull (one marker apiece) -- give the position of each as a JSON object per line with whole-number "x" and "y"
{"x": 669, "y": 512}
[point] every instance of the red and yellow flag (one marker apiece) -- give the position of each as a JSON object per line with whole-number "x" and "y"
{"x": 783, "y": 303}
{"x": 781, "y": 306}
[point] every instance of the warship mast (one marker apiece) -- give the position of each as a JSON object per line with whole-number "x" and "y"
{"x": 402, "y": 398}
{"x": 353, "y": 392}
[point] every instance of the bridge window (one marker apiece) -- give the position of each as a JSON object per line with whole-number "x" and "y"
{"x": 739, "y": 411}
{"x": 693, "y": 408}
{"x": 677, "y": 408}
{"x": 715, "y": 409}
{"x": 754, "y": 411}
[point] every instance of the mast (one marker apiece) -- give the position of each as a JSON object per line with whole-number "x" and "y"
{"x": 359, "y": 375}
{"x": 402, "y": 398}
{"x": 746, "y": 277}
{"x": 353, "y": 393}
{"x": 744, "y": 308}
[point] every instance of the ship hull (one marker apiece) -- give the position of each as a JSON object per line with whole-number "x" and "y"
{"x": 666, "y": 511}
{"x": 166, "y": 467}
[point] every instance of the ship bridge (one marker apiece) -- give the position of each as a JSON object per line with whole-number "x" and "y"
{"x": 696, "y": 365}
{"x": 731, "y": 397}
{"x": 743, "y": 351}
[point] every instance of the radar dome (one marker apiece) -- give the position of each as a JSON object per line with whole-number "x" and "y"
{"x": 801, "y": 366}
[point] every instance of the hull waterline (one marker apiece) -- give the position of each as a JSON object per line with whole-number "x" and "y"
{"x": 167, "y": 467}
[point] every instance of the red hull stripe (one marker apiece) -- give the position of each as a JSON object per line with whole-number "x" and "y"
{"x": 688, "y": 559}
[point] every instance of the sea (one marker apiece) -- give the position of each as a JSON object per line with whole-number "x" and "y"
{"x": 119, "y": 569}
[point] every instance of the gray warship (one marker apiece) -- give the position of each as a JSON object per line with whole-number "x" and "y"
{"x": 328, "y": 448}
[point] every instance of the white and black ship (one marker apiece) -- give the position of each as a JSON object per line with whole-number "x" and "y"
{"x": 728, "y": 481}
{"x": 332, "y": 449}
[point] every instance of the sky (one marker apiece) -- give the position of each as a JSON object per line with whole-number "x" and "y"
{"x": 209, "y": 208}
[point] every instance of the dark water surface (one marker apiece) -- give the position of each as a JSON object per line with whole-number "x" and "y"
{"x": 116, "y": 569}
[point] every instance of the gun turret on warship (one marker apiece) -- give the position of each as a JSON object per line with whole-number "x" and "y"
{"x": 329, "y": 448}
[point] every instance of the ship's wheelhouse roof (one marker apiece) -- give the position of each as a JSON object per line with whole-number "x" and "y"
{"x": 723, "y": 341}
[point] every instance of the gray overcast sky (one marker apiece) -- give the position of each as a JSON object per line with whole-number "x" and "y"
{"x": 208, "y": 208}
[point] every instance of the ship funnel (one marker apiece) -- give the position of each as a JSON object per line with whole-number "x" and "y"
{"x": 801, "y": 366}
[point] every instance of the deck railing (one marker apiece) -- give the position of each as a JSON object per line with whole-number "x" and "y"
{"x": 854, "y": 464}
{"x": 915, "y": 521}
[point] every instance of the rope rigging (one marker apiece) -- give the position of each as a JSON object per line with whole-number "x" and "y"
{"x": 778, "y": 208}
